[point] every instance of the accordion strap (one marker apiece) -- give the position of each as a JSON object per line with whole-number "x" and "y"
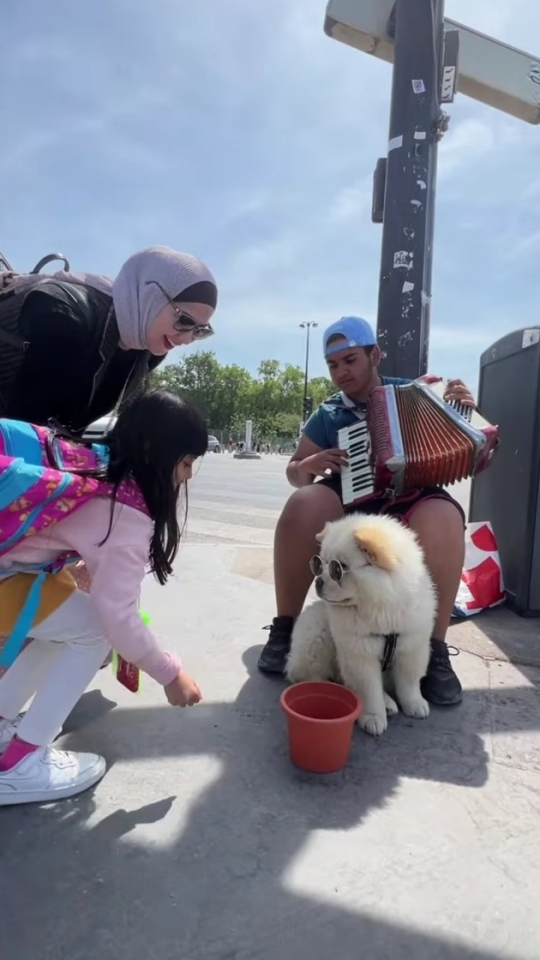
{"x": 358, "y": 409}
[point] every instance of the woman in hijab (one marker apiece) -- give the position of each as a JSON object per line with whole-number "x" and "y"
{"x": 89, "y": 342}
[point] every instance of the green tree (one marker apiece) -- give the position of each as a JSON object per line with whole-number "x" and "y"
{"x": 269, "y": 370}
{"x": 218, "y": 391}
{"x": 320, "y": 388}
{"x": 228, "y": 395}
{"x": 287, "y": 426}
{"x": 231, "y": 397}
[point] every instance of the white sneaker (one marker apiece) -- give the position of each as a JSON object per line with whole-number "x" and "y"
{"x": 8, "y": 729}
{"x": 47, "y": 775}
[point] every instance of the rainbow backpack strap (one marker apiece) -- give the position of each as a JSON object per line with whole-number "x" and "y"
{"x": 11, "y": 649}
{"x": 27, "y": 490}
{"x": 34, "y": 496}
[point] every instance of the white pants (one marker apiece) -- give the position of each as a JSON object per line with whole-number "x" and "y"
{"x": 56, "y": 668}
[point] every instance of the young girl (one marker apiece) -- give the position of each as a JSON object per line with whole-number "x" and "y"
{"x": 130, "y": 521}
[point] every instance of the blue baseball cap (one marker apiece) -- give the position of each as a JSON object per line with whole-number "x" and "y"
{"x": 356, "y": 331}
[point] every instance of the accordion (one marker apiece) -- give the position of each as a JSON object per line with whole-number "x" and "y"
{"x": 413, "y": 438}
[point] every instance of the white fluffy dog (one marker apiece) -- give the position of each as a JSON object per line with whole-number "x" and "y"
{"x": 373, "y": 584}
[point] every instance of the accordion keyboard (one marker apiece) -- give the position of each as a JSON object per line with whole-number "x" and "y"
{"x": 468, "y": 413}
{"x": 357, "y": 478}
{"x": 463, "y": 410}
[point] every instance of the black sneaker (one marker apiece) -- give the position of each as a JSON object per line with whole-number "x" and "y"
{"x": 440, "y": 685}
{"x": 276, "y": 649}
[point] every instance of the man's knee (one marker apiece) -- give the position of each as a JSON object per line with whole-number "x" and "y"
{"x": 309, "y": 507}
{"x": 438, "y": 522}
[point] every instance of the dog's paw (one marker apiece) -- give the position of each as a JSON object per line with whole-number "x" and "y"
{"x": 416, "y": 707}
{"x": 373, "y": 723}
{"x": 293, "y": 676}
{"x": 391, "y": 705}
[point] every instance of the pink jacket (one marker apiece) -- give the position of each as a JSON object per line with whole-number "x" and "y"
{"x": 117, "y": 569}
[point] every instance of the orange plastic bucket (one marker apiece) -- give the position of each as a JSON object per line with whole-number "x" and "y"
{"x": 320, "y": 720}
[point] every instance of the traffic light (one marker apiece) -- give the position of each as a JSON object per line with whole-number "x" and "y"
{"x": 308, "y": 407}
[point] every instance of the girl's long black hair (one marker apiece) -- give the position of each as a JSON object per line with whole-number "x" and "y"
{"x": 152, "y": 434}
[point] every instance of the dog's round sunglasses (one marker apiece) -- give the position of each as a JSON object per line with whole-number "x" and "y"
{"x": 336, "y": 569}
{"x": 184, "y": 322}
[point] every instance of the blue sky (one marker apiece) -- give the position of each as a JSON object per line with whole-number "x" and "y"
{"x": 238, "y": 131}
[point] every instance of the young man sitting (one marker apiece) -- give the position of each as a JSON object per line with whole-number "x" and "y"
{"x": 352, "y": 354}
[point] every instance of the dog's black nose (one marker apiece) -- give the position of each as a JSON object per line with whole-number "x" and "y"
{"x": 319, "y": 584}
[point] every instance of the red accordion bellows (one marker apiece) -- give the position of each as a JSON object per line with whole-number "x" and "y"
{"x": 413, "y": 439}
{"x": 436, "y": 451}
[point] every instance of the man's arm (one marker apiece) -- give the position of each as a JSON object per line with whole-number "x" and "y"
{"x": 295, "y": 476}
{"x": 310, "y": 461}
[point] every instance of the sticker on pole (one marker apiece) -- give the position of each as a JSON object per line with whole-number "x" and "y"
{"x": 448, "y": 84}
{"x": 418, "y": 86}
{"x": 530, "y": 337}
{"x": 403, "y": 258}
{"x": 534, "y": 73}
{"x": 481, "y": 586}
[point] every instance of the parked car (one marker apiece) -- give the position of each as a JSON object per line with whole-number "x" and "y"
{"x": 95, "y": 432}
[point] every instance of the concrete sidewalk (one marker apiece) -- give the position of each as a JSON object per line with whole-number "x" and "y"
{"x": 204, "y": 843}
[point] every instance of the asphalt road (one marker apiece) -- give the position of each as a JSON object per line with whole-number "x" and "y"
{"x": 239, "y": 501}
{"x": 236, "y": 501}
{"x": 203, "y": 842}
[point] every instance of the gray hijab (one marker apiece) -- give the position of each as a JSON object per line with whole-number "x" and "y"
{"x": 137, "y": 302}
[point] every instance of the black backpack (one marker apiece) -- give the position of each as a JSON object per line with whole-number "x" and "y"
{"x": 12, "y": 343}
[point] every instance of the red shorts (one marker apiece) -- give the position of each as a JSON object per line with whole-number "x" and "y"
{"x": 402, "y": 507}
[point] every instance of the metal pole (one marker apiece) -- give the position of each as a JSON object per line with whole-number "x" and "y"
{"x": 409, "y": 200}
{"x": 307, "y": 326}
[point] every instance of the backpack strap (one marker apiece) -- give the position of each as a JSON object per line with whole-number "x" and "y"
{"x": 26, "y": 600}
{"x": 51, "y": 258}
{"x": 22, "y": 628}
{"x": 107, "y": 349}
{"x": 33, "y": 496}
{"x": 13, "y": 346}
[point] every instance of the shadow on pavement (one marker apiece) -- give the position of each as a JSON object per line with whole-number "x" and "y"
{"x": 518, "y": 638}
{"x": 218, "y": 889}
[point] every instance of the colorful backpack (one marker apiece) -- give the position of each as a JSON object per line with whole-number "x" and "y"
{"x": 34, "y": 495}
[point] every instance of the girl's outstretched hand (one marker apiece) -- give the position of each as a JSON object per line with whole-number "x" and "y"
{"x": 183, "y": 692}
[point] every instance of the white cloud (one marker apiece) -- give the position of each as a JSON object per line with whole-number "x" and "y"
{"x": 255, "y": 263}
{"x": 241, "y": 131}
{"x": 465, "y": 144}
{"x": 24, "y": 150}
{"x": 351, "y": 203}
{"x": 518, "y": 249}
{"x": 468, "y": 338}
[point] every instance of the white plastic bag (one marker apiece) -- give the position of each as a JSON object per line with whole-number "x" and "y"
{"x": 481, "y": 585}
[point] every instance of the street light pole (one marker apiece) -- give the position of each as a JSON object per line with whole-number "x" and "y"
{"x": 307, "y": 327}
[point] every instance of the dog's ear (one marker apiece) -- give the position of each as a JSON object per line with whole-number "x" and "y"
{"x": 320, "y": 536}
{"x": 376, "y": 545}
